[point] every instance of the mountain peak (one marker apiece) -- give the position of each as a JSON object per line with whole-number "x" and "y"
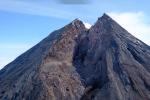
{"x": 77, "y": 21}
{"x": 105, "y": 16}
{"x": 74, "y": 63}
{"x": 106, "y": 25}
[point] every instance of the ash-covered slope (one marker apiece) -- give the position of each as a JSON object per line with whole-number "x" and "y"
{"x": 32, "y": 75}
{"x": 112, "y": 63}
{"x": 73, "y": 63}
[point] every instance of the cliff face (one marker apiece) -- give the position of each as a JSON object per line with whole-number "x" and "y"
{"x": 104, "y": 62}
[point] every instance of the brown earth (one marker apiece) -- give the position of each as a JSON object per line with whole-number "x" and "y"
{"x": 104, "y": 62}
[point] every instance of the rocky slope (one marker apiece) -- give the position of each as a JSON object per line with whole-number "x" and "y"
{"x": 104, "y": 62}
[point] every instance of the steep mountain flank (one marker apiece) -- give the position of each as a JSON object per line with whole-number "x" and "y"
{"x": 112, "y": 63}
{"x": 104, "y": 62}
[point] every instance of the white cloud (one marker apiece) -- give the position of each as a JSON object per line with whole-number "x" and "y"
{"x": 35, "y": 8}
{"x": 47, "y": 8}
{"x": 87, "y": 25}
{"x": 134, "y": 22}
{"x": 50, "y": 8}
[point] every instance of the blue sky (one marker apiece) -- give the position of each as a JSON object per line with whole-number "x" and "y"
{"x": 23, "y": 23}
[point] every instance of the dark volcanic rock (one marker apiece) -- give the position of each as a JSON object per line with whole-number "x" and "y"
{"x": 74, "y": 63}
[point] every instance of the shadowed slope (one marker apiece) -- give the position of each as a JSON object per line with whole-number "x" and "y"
{"x": 112, "y": 63}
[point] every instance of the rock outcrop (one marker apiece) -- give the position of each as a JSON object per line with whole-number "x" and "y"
{"x": 104, "y": 62}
